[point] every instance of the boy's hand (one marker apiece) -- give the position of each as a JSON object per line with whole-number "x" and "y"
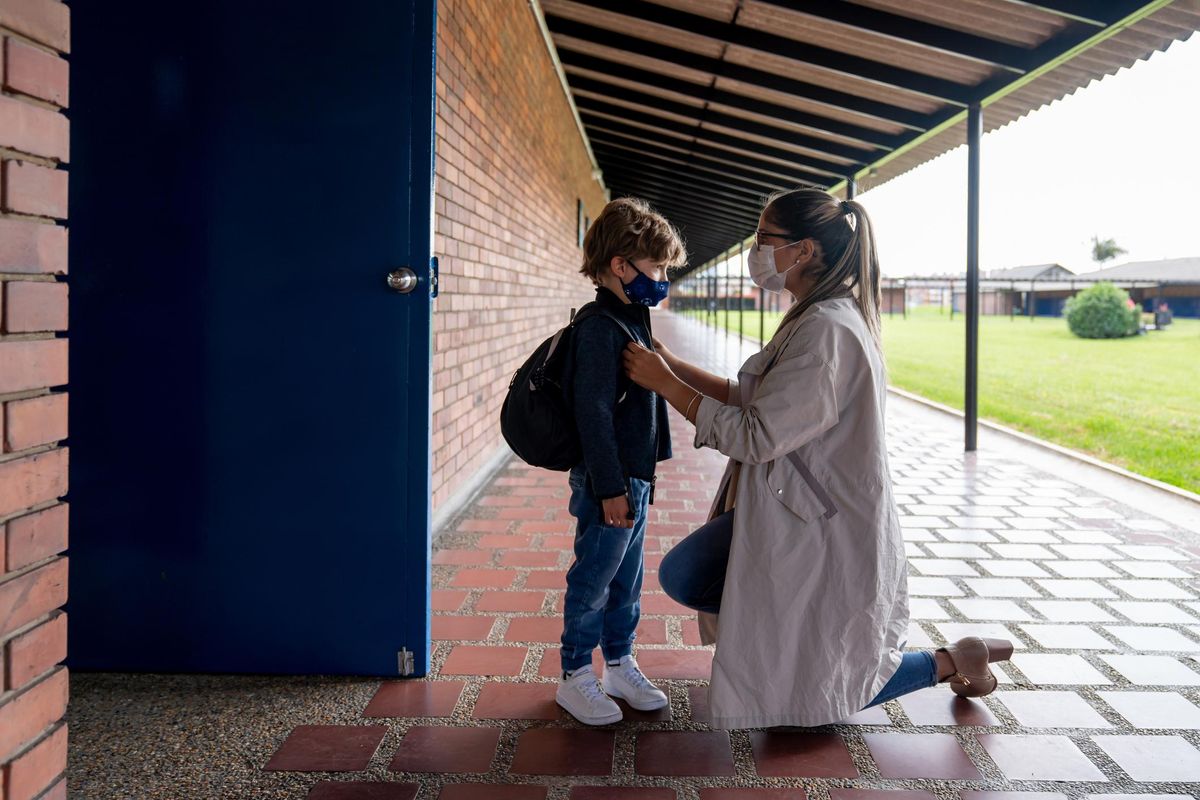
{"x": 616, "y": 512}
{"x": 646, "y": 369}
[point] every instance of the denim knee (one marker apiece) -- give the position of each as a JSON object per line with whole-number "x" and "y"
{"x": 667, "y": 578}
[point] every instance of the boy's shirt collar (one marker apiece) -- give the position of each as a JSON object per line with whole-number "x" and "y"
{"x": 606, "y": 297}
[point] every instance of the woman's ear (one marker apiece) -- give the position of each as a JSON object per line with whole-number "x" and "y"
{"x": 806, "y": 253}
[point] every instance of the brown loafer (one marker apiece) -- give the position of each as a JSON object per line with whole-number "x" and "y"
{"x": 971, "y": 656}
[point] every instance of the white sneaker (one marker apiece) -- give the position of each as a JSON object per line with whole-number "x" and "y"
{"x": 580, "y": 694}
{"x": 626, "y": 681}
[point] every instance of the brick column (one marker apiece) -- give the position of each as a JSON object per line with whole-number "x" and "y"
{"x": 33, "y": 401}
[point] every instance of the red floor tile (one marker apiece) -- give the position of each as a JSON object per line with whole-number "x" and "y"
{"x": 363, "y": 790}
{"x": 517, "y": 701}
{"x": 921, "y": 755}
{"x": 633, "y": 715}
{"x": 455, "y": 628}
{"x": 565, "y": 541}
{"x": 532, "y": 513}
{"x": 652, "y": 631}
{"x": 530, "y": 558}
{"x": 880, "y": 794}
{"x": 428, "y": 749}
{"x": 546, "y": 526}
{"x": 752, "y": 794}
{"x": 468, "y": 659}
{"x": 500, "y": 501}
{"x": 564, "y": 751}
{"x": 447, "y": 599}
{"x": 483, "y": 526}
{"x": 511, "y": 601}
{"x": 462, "y": 557}
{"x": 940, "y": 706}
{"x": 534, "y": 629}
{"x": 504, "y": 541}
{"x": 1153, "y": 758}
{"x": 484, "y": 578}
{"x": 1024, "y": 757}
{"x": 801, "y": 755}
{"x": 677, "y": 664}
{"x": 327, "y": 748}
{"x": 682, "y": 753}
{"x": 663, "y": 604}
{"x": 415, "y": 699}
{"x": 620, "y": 793}
{"x": 547, "y": 579}
{"x": 490, "y": 791}
{"x": 698, "y": 700}
{"x": 691, "y": 632}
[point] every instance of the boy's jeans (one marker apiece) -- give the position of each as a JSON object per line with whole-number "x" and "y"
{"x": 604, "y": 585}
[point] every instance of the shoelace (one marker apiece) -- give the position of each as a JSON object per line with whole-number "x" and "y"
{"x": 592, "y": 690}
{"x": 634, "y": 675}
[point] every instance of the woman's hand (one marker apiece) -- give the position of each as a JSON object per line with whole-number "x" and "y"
{"x": 662, "y": 350}
{"x": 616, "y": 512}
{"x": 647, "y": 369}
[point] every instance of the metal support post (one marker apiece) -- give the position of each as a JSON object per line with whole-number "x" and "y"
{"x": 971, "y": 395}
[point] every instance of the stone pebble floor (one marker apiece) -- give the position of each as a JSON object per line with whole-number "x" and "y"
{"x": 1100, "y": 699}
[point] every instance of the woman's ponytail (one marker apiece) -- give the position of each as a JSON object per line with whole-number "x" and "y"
{"x": 863, "y": 262}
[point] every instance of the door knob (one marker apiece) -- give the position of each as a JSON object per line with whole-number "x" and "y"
{"x": 402, "y": 280}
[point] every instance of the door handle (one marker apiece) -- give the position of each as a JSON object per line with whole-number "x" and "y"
{"x": 402, "y": 280}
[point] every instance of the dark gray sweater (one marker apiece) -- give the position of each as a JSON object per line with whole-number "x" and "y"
{"x": 619, "y": 438}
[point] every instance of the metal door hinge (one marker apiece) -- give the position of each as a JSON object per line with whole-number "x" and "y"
{"x": 433, "y": 276}
{"x": 407, "y": 661}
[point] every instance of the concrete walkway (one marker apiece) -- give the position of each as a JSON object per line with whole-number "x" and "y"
{"x": 1099, "y": 592}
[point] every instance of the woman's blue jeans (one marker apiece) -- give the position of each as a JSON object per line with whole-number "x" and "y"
{"x": 604, "y": 586}
{"x": 693, "y": 573}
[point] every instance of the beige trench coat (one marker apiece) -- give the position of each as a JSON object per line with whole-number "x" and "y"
{"x": 815, "y": 606}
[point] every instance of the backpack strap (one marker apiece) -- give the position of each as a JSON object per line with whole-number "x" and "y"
{"x": 593, "y": 310}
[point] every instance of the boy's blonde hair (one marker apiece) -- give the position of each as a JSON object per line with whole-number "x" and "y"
{"x": 629, "y": 227}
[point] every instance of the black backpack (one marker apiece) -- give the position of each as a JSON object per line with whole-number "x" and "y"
{"x": 536, "y": 419}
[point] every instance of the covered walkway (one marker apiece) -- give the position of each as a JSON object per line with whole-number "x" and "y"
{"x": 1100, "y": 699}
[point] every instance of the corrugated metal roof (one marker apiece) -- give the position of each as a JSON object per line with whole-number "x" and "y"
{"x": 705, "y": 106}
{"x": 1030, "y": 271}
{"x": 1168, "y": 270}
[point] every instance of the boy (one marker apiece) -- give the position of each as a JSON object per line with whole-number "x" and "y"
{"x": 624, "y": 433}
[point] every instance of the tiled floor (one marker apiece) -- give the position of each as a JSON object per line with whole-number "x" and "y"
{"x": 1100, "y": 698}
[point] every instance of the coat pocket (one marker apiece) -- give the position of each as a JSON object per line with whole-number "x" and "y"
{"x": 793, "y": 484}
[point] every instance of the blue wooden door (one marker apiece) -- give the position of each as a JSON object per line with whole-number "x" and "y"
{"x": 250, "y": 399}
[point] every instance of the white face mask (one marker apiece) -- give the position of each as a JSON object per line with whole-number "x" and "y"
{"x": 761, "y": 260}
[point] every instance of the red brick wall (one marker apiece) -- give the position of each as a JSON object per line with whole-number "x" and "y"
{"x": 511, "y": 165}
{"x": 33, "y": 401}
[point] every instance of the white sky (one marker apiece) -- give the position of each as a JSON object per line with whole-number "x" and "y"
{"x": 1120, "y": 158}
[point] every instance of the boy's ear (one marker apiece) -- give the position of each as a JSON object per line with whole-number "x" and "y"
{"x": 616, "y": 265}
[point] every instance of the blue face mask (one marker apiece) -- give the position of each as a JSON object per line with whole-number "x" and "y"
{"x": 643, "y": 291}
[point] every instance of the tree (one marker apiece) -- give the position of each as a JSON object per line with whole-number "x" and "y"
{"x": 1105, "y": 250}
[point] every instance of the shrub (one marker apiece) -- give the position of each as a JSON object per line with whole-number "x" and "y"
{"x": 1103, "y": 311}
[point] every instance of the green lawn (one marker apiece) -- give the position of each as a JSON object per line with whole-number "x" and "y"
{"x": 1133, "y": 402}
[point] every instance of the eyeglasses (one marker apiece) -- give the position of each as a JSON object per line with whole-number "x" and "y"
{"x": 760, "y": 234}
